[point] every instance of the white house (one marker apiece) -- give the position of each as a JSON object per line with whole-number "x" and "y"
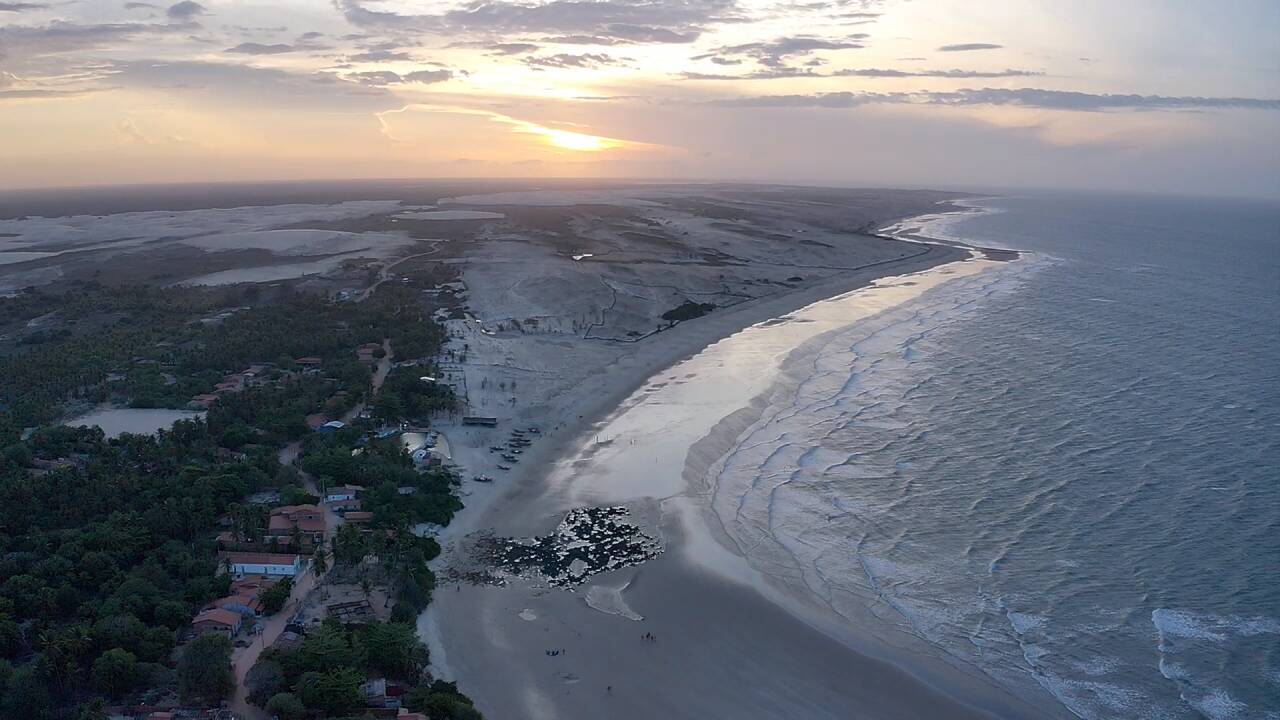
{"x": 342, "y": 492}
{"x": 269, "y": 564}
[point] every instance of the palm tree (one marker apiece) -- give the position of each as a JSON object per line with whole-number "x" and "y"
{"x": 320, "y": 560}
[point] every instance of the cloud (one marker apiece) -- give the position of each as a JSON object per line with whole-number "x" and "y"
{"x": 497, "y": 48}
{"x": 235, "y": 84}
{"x": 954, "y": 73}
{"x": 512, "y": 48}
{"x": 622, "y": 32}
{"x": 15, "y": 7}
{"x": 428, "y": 77}
{"x": 186, "y": 10}
{"x": 380, "y": 56}
{"x": 1021, "y": 97}
{"x": 873, "y": 73}
{"x": 139, "y": 6}
{"x": 1063, "y": 100}
{"x": 385, "y": 78}
{"x": 775, "y": 53}
{"x": 581, "y": 40}
{"x": 27, "y": 41}
{"x": 42, "y": 94}
{"x": 375, "y": 78}
{"x": 128, "y": 130}
{"x": 784, "y": 73}
{"x": 965, "y": 47}
{"x": 633, "y": 21}
{"x": 570, "y": 60}
{"x": 253, "y": 48}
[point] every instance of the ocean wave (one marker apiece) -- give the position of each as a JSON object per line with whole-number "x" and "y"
{"x": 959, "y": 470}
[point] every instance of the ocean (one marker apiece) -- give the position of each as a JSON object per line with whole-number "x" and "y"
{"x": 1063, "y": 471}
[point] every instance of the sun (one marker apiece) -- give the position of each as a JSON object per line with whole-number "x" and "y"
{"x": 578, "y": 141}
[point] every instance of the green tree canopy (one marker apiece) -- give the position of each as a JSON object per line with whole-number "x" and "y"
{"x": 204, "y": 670}
{"x": 334, "y": 692}
{"x": 286, "y": 706}
{"x": 115, "y": 672}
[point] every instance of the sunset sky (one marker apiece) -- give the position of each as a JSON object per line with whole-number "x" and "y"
{"x": 1142, "y": 94}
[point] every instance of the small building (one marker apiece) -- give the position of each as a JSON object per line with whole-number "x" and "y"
{"x": 218, "y": 620}
{"x": 203, "y": 401}
{"x": 342, "y": 492}
{"x": 309, "y": 362}
{"x": 268, "y": 564}
{"x": 247, "y": 604}
{"x": 345, "y": 505}
{"x": 308, "y": 530}
{"x": 299, "y": 512}
{"x": 368, "y": 352}
{"x": 331, "y": 426}
{"x": 306, "y": 523}
{"x": 358, "y": 517}
{"x": 251, "y": 585}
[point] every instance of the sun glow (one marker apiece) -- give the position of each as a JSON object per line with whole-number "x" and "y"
{"x": 577, "y": 141}
{"x": 515, "y": 137}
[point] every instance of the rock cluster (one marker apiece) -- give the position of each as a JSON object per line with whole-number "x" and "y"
{"x": 588, "y": 541}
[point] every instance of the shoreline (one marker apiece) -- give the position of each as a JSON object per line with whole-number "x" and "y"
{"x": 529, "y": 507}
{"x": 668, "y": 348}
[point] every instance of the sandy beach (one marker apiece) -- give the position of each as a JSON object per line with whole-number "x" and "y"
{"x": 638, "y": 426}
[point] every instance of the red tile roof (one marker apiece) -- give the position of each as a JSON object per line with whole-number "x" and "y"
{"x": 260, "y": 558}
{"x": 308, "y": 525}
{"x": 251, "y": 586}
{"x": 291, "y": 510}
{"x": 219, "y": 616}
{"x": 247, "y": 599}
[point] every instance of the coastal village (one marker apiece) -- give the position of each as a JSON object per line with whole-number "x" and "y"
{"x": 332, "y": 551}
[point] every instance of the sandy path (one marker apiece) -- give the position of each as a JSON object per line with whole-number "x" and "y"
{"x": 385, "y": 274}
{"x": 244, "y": 658}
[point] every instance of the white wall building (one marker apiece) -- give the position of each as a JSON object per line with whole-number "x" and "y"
{"x": 269, "y": 564}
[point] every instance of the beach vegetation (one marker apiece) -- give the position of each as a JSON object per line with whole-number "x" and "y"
{"x": 441, "y": 699}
